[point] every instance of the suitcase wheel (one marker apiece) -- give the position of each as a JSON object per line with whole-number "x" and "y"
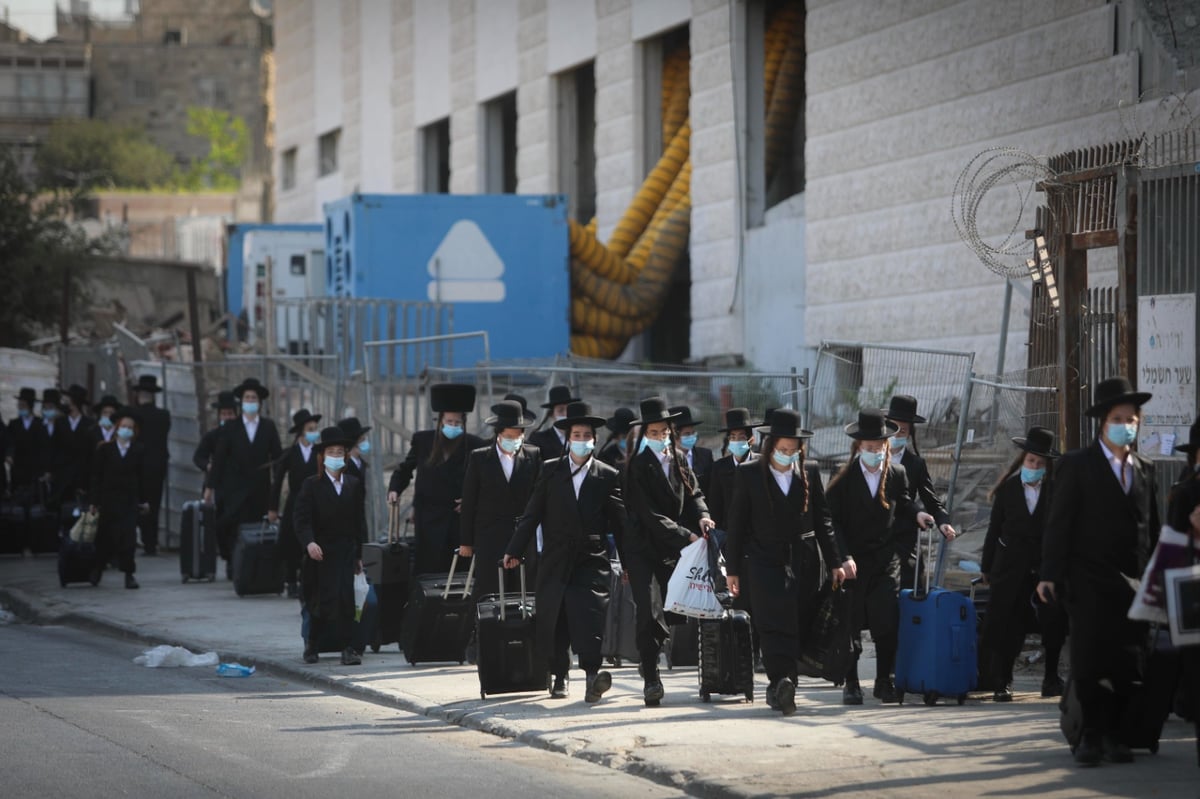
{"x": 962, "y": 699}
{"x": 705, "y": 696}
{"x": 931, "y": 698}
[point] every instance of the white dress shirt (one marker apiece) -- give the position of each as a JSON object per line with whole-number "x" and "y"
{"x": 74, "y": 422}
{"x": 1031, "y": 495}
{"x": 1122, "y": 469}
{"x": 107, "y": 432}
{"x": 506, "y": 462}
{"x": 784, "y": 479}
{"x": 27, "y": 421}
{"x": 873, "y": 478}
{"x": 578, "y": 473}
{"x": 122, "y": 448}
{"x": 305, "y": 450}
{"x": 665, "y": 460}
{"x": 336, "y": 480}
{"x": 251, "y": 426}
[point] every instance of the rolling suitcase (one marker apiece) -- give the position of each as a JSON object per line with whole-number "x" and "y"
{"x": 388, "y": 567}
{"x": 77, "y": 563}
{"x": 198, "y": 542}
{"x": 936, "y": 653}
{"x": 726, "y": 656}
{"x": 682, "y": 648}
{"x": 507, "y": 657}
{"x": 439, "y": 618}
{"x": 619, "y": 643}
{"x": 256, "y": 566}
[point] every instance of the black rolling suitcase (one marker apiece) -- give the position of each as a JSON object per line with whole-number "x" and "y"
{"x": 389, "y": 569}
{"x": 256, "y": 566}
{"x": 198, "y": 542}
{"x": 619, "y": 643}
{"x": 439, "y": 617}
{"x": 507, "y": 658}
{"x": 77, "y": 563}
{"x": 726, "y": 656}
{"x": 43, "y": 524}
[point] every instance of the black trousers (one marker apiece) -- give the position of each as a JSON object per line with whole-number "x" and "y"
{"x": 116, "y": 537}
{"x": 875, "y": 605}
{"x": 1009, "y": 615}
{"x": 148, "y": 522}
{"x": 648, "y": 577}
{"x": 784, "y": 601}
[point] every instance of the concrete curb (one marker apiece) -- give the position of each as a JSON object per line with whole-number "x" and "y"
{"x": 31, "y": 609}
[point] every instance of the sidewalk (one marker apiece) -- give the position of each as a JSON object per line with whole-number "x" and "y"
{"x": 726, "y": 748}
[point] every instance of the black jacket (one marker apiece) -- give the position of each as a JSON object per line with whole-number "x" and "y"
{"x": 547, "y": 441}
{"x": 154, "y": 424}
{"x": 205, "y": 450}
{"x": 663, "y": 514}
{"x": 417, "y": 459}
{"x": 117, "y": 484}
{"x": 864, "y": 528}
{"x": 766, "y": 524}
{"x": 241, "y": 472}
{"x": 81, "y": 443}
{"x": 920, "y": 486}
{"x": 330, "y": 519}
{"x": 491, "y": 504}
{"x": 702, "y": 466}
{"x": 719, "y": 496}
{"x": 1013, "y": 543}
{"x": 295, "y": 470}
{"x": 53, "y": 451}
{"x": 23, "y": 449}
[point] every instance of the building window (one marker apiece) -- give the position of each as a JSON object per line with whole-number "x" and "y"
{"x": 576, "y": 94}
{"x": 435, "y": 157}
{"x": 327, "y": 152}
{"x": 298, "y": 266}
{"x": 173, "y": 36}
{"x": 499, "y": 142}
{"x": 287, "y": 169}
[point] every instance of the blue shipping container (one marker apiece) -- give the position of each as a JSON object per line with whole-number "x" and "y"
{"x": 501, "y": 260}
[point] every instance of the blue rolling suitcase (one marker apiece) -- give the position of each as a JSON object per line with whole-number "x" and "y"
{"x": 936, "y": 656}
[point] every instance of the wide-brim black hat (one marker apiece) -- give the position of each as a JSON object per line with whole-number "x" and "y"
{"x": 353, "y": 428}
{"x": 580, "y": 413}
{"x": 301, "y": 418}
{"x": 78, "y": 394}
{"x": 452, "y": 398}
{"x": 621, "y": 420}
{"x": 559, "y": 395}
{"x": 1115, "y": 391}
{"x": 685, "y": 416}
{"x": 872, "y": 425}
{"x": 146, "y": 383}
{"x": 51, "y": 396}
{"x": 1193, "y": 442}
{"x": 1038, "y": 441}
{"x": 251, "y": 384}
{"x": 225, "y": 401}
{"x": 27, "y": 394}
{"x": 903, "y": 408}
{"x": 508, "y": 413}
{"x": 654, "y": 409}
{"x": 107, "y": 401}
{"x": 126, "y": 412}
{"x": 785, "y": 423}
{"x": 333, "y": 436}
{"x": 528, "y": 414}
{"x": 738, "y": 419}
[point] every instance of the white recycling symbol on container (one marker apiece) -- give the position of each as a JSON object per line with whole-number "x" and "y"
{"x": 465, "y": 267}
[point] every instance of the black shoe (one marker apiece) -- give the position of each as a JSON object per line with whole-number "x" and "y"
{"x": 293, "y": 591}
{"x": 1052, "y": 686}
{"x": 852, "y": 694}
{"x": 885, "y": 691}
{"x": 1002, "y": 695}
{"x": 130, "y": 582}
{"x": 559, "y": 690}
{"x": 1087, "y": 752}
{"x": 1113, "y": 751}
{"x": 350, "y": 658}
{"x": 653, "y": 692}
{"x": 785, "y": 696}
{"x": 95, "y": 574}
{"x": 311, "y": 656}
{"x": 759, "y": 668}
{"x": 595, "y": 686}
{"x": 772, "y": 698}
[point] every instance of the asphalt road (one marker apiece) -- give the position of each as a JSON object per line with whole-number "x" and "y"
{"x": 79, "y": 719}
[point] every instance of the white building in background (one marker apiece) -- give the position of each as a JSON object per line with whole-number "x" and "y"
{"x": 547, "y": 96}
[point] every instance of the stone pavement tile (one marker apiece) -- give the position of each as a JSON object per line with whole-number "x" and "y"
{"x": 724, "y": 748}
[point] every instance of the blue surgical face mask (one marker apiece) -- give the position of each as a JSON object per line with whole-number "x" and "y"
{"x": 657, "y": 446}
{"x": 871, "y": 460}
{"x": 49, "y": 413}
{"x": 249, "y": 408}
{"x": 124, "y": 433}
{"x": 311, "y": 436}
{"x": 1032, "y": 476}
{"x": 451, "y": 432}
{"x": 785, "y": 460}
{"x": 899, "y": 442}
{"x": 334, "y": 464}
{"x": 739, "y": 448}
{"x": 1122, "y": 434}
{"x": 581, "y": 449}
{"x": 23, "y": 413}
{"x": 511, "y": 445}
{"x": 689, "y": 441}
{"x": 364, "y": 447}
{"x": 105, "y": 422}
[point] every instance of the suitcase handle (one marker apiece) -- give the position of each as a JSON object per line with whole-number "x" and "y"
{"x": 450, "y": 578}
{"x": 394, "y": 536}
{"x": 924, "y": 548}
{"x": 524, "y": 598}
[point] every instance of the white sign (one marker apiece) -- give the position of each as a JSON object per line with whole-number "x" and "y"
{"x": 465, "y": 267}
{"x": 1166, "y": 368}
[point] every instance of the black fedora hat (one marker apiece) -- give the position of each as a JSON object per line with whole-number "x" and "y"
{"x": 579, "y": 412}
{"x": 785, "y": 423}
{"x": 148, "y": 383}
{"x": 559, "y": 395}
{"x": 452, "y": 398}
{"x": 1115, "y": 391}
{"x": 27, "y": 394}
{"x": 528, "y": 414}
{"x": 1038, "y": 441}
{"x": 78, "y": 394}
{"x": 251, "y": 384}
{"x": 872, "y": 425}
{"x": 353, "y": 428}
{"x": 51, "y": 397}
{"x": 225, "y": 401}
{"x": 903, "y": 408}
{"x": 507, "y": 413}
{"x": 333, "y": 436}
{"x": 126, "y": 412}
{"x": 738, "y": 419}
{"x": 685, "y": 416}
{"x": 107, "y": 401}
{"x": 301, "y": 418}
{"x": 654, "y": 409}
{"x": 1193, "y": 442}
{"x": 621, "y": 420}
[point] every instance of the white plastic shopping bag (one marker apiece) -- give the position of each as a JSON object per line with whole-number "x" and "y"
{"x": 361, "y": 588}
{"x": 690, "y": 590}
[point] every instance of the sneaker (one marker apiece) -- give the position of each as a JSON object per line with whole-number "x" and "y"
{"x": 852, "y": 693}
{"x": 595, "y": 686}
{"x": 1052, "y": 686}
{"x": 785, "y": 696}
{"x": 652, "y": 693}
{"x": 311, "y": 656}
{"x": 559, "y": 690}
{"x": 772, "y": 699}
{"x": 885, "y": 691}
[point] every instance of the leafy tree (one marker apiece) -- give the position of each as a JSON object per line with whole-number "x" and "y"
{"x": 84, "y": 154}
{"x": 227, "y": 144}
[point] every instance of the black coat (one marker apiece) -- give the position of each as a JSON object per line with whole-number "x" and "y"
{"x": 491, "y": 506}
{"x": 81, "y": 443}
{"x": 205, "y": 450}
{"x": 53, "y": 446}
{"x": 701, "y": 465}
{"x": 575, "y": 542}
{"x": 154, "y": 425}
{"x": 1013, "y": 545}
{"x": 920, "y": 487}
{"x": 1097, "y": 540}
{"x": 117, "y": 489}
{"x": 612, "y": 454}
{"x": 241, "y": 472}
{"x": 337, "y": 523}
{"x": 663, "y": 514}
{"x": 719, "y": 496}
{"x": 767, "y": 525}
{"x": 295, "y": 470}
{"x": 23, "y": 449}
{"x": 548, "y": 442}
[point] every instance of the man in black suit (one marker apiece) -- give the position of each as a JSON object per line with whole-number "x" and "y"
{"x": 23, "y": 433}
{"x": 552, "y": 441}
{"x": 698, "y": 459}
{"x": 297, "y": 465}
{"x": 499, "y": 481}
{"x": 226, "y": 408}
{"x": 81, "y": 441}
{"x": 155, "y": 425}
{"x": 1102, "y": 527}
{"x": 241, "y": 473}
{"x": 53, "y": 445}
{"x": 577, "y": 502}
